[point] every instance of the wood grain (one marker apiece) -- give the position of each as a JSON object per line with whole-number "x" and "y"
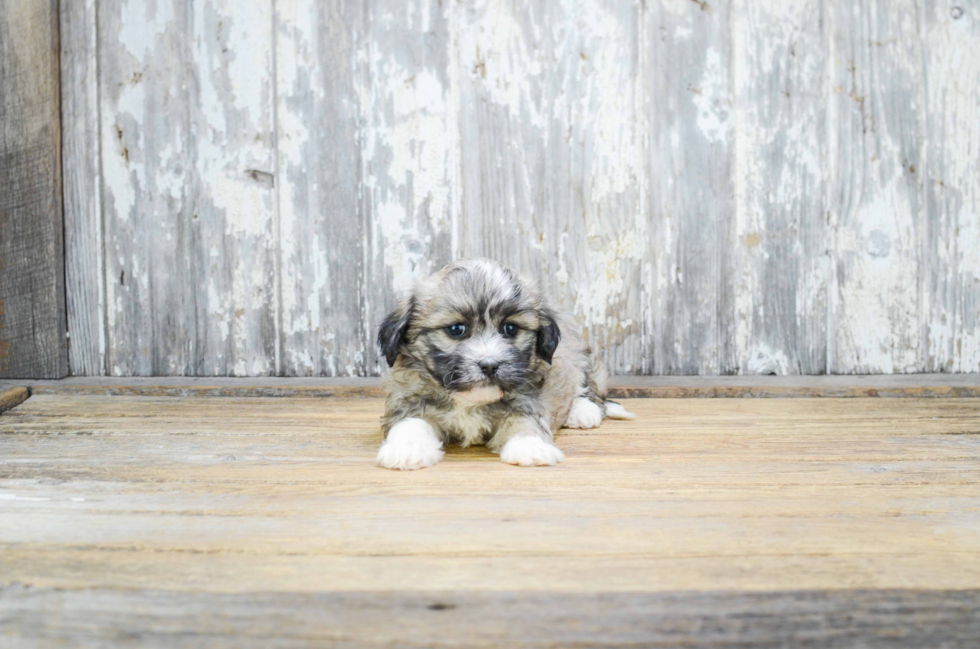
{"x": 323, "y": 224}
{"x": 780, "y": 250}
{"x": 406, "y": 153}
{"x": 689, "y": 283}
{"x": 283, "y": 495}
{"x": 842, "y": 520}
{"x": 950, "y": 237}
{"x": 552, "y": 128}
{"x": 82, "y": 179}
{"x": 715, "y": 188}
{"x": 33, "y": 342}
{"x": 877, "y": 200}
{"x": 12, "y": 395}
{"x": 186, "y": 100}
{"x": 818, "y": 619}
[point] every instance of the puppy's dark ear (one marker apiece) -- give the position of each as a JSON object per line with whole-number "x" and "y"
{"x": 391, "y": 333}
{"x": 548, "y": 335}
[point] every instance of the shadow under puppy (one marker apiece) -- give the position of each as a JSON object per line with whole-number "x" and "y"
{"x": 478, "y": 357}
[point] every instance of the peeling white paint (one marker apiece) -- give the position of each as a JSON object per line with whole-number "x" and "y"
{"x": 142, "y": 23}
{"x": 545, "y": 135}
{"x": 713, "y": 100}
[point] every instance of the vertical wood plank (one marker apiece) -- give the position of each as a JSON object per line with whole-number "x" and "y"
{"x": 84, "y": 246}
{"x": 553, "y": 135}
{"x": 876, "y": 201}
{"x": 33, "y": 341}
{"x": 187, "y": 145}
{"x": 781, "y": 245}
{"x": 691, "y": 189}
{"x": 143, "y": 109}
{"x": 322, "y": 223}
{"x": 407, "y": 152}
{"x": 951, "y": 237}
{"x": 232, "y": 139}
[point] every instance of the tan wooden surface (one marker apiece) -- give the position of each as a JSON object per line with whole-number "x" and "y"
{"x": 12, "y": 395}
{"x": 238, "y": 495}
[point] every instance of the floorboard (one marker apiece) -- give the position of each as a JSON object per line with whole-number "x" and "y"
{"x": 721, "y": 522}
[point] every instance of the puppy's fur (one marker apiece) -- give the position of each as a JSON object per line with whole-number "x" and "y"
{"x": 478, "y": 357}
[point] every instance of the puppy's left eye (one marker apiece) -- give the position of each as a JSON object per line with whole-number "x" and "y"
{"x": 456, "y": 330}
{"x": 510, "y": 329}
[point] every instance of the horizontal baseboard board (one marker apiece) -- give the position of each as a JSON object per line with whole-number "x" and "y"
{"x": 623, "y": 387}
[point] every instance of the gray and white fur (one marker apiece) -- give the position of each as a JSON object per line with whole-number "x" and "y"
{"x": 479, "y": 357}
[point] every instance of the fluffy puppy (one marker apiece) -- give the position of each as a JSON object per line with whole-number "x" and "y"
{"x": 478, "y": 357}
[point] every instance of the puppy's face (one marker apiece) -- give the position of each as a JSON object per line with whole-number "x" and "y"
{"x": 475, "y": 327}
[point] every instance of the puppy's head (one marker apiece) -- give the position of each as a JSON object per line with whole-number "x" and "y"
{"x": 475, "y": 327}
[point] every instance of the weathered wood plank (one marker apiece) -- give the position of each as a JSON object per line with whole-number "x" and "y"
{"x": 815, "y": 619}
{"x": 710, "y": 187}
{"x": 33, "y": 342}
{"x": 82, "y": 165}
{"x": 232, "y": 139}
{"x": 950, "y": 238}
{"x": 187, "y": 108}
{"x": 320, "y": 78}
{"x": 781, "y": 247}
{"x": 407, "y": 153}
{"x": 846, "y": 386}
{"x": 877, "y": 164}
{"x": 552, "y": 135}
{"x": 12, "y": 395}
{"x": 245, "y": 495}
{"x": 689, "y": 295}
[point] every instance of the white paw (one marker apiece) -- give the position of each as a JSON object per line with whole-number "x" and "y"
{"x": 530, "y": 450}
{"x": 411, "y": 444}
{"x": 617, "y": 411}
{"x": 584, "y": 414}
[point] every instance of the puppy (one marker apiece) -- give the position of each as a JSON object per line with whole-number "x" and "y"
{"x": 478, "y": 357}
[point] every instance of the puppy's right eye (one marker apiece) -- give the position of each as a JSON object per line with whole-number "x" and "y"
{"x": 456, "y": 330}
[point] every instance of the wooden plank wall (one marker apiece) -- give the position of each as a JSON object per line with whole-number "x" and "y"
{"x": 33, "y": 342}
{"x": 719, "y": 187}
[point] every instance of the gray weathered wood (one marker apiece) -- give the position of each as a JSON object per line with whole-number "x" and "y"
{"x": 950, "y": 238}
{"x": 553, "y": 134}
{"x": 742, "y": 186}
{"x": 186, "y": 96}
{"x": 322, "y": 221}
{"x": 780, "y": 241}
{"x": 82, "y": 178}
{"x": 876, "y": 200}
{"x": 690, "y": 291}
{"x": 32, "y": 273}
{"x": 407, "y": 152}
{"x": 815, "y": 619}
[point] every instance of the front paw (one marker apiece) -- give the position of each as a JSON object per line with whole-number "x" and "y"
{"x": 530, "y": 450}
{"x": 584, "y": 414}
{"x": 411, "y": 444}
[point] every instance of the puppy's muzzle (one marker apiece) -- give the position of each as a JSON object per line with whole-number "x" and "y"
{"x": 489, "y": 367}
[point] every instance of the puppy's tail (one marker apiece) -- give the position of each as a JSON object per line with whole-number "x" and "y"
{"x": 597, "y": 382}
{"x": 615, "y": 410}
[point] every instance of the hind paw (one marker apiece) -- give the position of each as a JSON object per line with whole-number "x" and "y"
{"x": 584, "y": 414}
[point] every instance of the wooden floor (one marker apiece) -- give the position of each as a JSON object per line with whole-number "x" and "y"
{"x": 151, "y": 521}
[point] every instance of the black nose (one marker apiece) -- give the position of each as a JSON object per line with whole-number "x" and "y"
{"x": 489, "y": 367}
